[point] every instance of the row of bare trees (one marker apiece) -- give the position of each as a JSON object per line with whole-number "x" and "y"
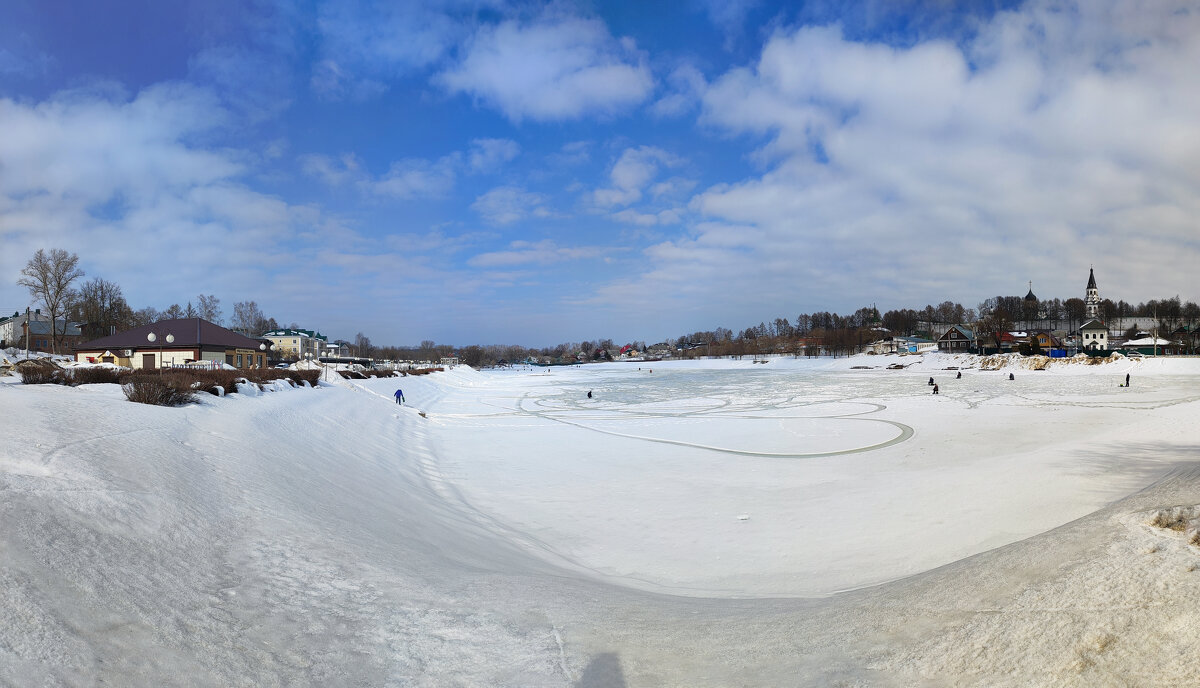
{"x": 56, "y": 286}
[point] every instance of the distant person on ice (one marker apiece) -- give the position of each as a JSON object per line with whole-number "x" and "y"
{"x": 1126, "y": 379}
{"x": 1011, "y": 377}
{"x": 399, "y": 397}
{"x": 930, "y": 381}
{"x": 589, "y": 394}
{"x": 935, "y": 389}
{"x": 959, "y": 376}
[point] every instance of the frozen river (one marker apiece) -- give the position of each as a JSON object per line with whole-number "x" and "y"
{"x": 786, "y": 478}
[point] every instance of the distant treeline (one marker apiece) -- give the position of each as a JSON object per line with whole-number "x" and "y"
{"x": 827, "y": 333}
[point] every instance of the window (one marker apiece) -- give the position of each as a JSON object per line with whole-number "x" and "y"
{"x": 239, "y": 359}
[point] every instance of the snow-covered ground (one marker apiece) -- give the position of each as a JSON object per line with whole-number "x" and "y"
{"x": 799, "y": 522}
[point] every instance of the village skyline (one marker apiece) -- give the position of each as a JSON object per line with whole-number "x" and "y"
{"x": 88, "y": 308}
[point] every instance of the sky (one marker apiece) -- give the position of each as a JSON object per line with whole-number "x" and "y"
{"x": 478, "y": 172}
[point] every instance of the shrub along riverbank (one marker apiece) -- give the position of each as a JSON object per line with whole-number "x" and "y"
{"x": 173, "y": 387}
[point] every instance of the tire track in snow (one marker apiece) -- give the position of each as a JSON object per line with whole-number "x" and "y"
{"x": 906, "y": 432}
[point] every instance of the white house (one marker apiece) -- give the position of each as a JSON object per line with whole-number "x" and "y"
{"x": 1093, "y": 336}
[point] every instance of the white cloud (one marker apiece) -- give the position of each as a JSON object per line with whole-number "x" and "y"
{"x": 332, "y": 171}
{"x": 1051, "y": 140}
{"x": 508, "y": 204}
{"x": 412, "y": 178}
{"x": 552, "y": 69}
{"x": 671, "y": 216}
{"x": 117, "y": 181}
{"x": 728, "y": 14}
{"x": 363, "y": 44}
{"x": 417, "y": 178}
{"x": 543, "y": 252}
{"x": 631, "y": 173}
{"x": 573, "y": 153}
{"x": 487, "y": 155}
{"x": 674, "y": 187}
{"x": 89, "y": 147}
{"x": 687, "y": 86}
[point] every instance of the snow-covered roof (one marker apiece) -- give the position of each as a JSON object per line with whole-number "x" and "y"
{"x": 1148, "y": 341}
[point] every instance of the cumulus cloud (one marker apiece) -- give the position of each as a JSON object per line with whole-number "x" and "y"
{"x": 551, "y": 69}
{"x": 957, "y": 170}
{"x": 117, "y": 180}
{"x": 631, "y": 173}
{"x": 91, "y": 146}
{"x": 508, "y": 204}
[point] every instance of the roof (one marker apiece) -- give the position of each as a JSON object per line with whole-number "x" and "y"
{"x": 289, "y": 332}
{"x": 1091, "y": 279}
{"x": 1093, "y": 324}
{"x": 187, "y": 332}
{"x": 1148, "y": 341}
{"x": 43, "y": 327}
{"x": 965, "y": 332}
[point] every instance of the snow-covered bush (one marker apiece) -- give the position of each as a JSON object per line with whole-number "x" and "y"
{"x": 94, "y": 375}
{"x": 33, "y": 374}
{"x": 160, "y": 392}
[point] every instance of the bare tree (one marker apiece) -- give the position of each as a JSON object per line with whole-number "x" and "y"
{"x": 426, "y": 350}
{"x": 48, "y": 278}
{"x": 100, "y": 307}
{"x": 362, "y": 345}
{"x": 248, "y": 318}
{"x": 209, "y": 308}
{"x": 173, "y": 312}
{"x": 145, "y": 316}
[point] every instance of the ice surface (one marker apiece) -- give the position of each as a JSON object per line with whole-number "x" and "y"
{"x": 685, "y": 527}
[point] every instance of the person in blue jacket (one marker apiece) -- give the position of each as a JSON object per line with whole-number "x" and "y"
{"x": 399, "y": 397}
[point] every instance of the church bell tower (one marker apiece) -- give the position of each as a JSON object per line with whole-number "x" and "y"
{"x": 1091, "y": 303}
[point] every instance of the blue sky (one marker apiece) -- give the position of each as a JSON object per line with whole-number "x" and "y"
{"x": 530, "y": 173}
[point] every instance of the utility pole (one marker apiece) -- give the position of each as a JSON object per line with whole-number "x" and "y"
{"x": 27, "y": 332}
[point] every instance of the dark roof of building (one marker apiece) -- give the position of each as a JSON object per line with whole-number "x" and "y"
{"x": 965, "y": 332}
{"x": 42, "y": 327}
{"x": 1093, "y": 324}
{"x": 1091, "y": 279}
{"x": 187, "y": 332}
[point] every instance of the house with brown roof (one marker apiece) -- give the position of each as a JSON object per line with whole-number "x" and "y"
{"x": 176, "y": 342}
